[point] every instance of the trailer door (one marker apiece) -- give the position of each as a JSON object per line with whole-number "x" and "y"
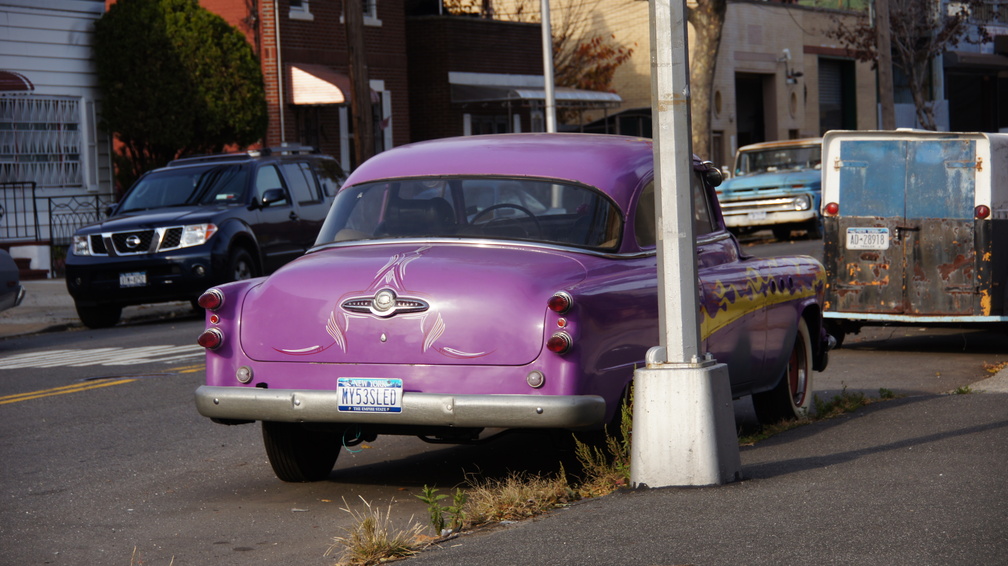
{"x": 905, "y": 238}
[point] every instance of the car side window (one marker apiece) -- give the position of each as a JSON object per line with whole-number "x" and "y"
{"x": 702, "y": 221}
{"x": 268, "y": 178}
{"x": 330, "y": 176}
{"x": 302, "y": 182}
{"x": 645, "y": 228}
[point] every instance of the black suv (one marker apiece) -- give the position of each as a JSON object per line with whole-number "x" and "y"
{"x": 199, "y": 222}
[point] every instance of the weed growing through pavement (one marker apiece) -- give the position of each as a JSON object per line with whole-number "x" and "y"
{"x": 437, "y": 512}
{"x": 373, "y": 539}
{"x": 962, "y": 390}
{"x": 606, "y": 468}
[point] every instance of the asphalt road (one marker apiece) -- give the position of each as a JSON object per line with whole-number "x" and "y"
{"x": 105, "y": 456}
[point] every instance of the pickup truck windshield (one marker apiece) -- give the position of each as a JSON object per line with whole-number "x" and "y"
{"x": 188, "y": 186}
{"x": 778, "y": 159}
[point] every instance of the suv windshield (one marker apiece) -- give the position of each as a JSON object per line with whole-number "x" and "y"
{"x": 476, "y": 207}
{"x": 778, "y": 159}
{"x": 182, "y": 186}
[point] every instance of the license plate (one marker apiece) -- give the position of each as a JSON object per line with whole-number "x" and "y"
{"x": 867, "y": 238}
{"x": 757, "y": 215}
{"x": 133, "y": 279}
{"x": 369, "y": 395}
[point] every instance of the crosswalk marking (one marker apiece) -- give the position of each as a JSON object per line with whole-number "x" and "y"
{"x": 101, "y": 356}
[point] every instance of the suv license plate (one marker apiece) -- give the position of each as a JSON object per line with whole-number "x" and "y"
{"x": 133, "y": 279}
{"x": 867, "y": 238}
{"x": 369, "y": 395}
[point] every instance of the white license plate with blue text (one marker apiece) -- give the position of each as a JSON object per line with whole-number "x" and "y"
{"x": 369, "y": 394}
{"x": 867, "y": 238}
{"x": 133, "y": 279}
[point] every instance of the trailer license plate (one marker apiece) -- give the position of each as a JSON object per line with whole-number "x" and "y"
{"x": 133, "y": 279}
{"x": 867, "y": 238}
{"x": 369, "y": 395}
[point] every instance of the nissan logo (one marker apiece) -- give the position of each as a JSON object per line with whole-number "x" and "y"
{"x": 132, "y": 241}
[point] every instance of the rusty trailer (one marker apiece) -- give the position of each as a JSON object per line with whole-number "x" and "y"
{"x": 915, "y": 229}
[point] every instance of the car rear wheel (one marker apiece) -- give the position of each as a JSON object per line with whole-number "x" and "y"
{"x": 240, "y": 265}
{"x": 792, "y": 396}
{"x": 298, "y": 453}
{"x": 102, "y": 316}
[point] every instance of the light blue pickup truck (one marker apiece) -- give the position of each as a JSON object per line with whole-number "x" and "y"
{"x": 775, "y": 185}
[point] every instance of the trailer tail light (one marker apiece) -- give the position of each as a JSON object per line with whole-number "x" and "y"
{"x": 982, "y": 211}
{"x": 211, "y": 339}
{"x": 832, "y": 209}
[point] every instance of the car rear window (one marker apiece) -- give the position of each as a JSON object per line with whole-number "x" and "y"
{"x": 536, "y": 210}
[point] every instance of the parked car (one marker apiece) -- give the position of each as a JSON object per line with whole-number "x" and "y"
{"x": 199, "y": 222}
{"x": 915, "y": 222}
{"x": 11, "y": 290}
{"x": 775, "y": 185}
{"x": 434, "y": 304}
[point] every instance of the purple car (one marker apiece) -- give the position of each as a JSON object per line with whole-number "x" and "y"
{"x": 503, "y": 281}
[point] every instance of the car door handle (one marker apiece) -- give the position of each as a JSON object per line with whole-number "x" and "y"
{"x": 293, "y": 215}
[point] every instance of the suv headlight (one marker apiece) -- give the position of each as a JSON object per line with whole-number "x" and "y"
{"x": 80, "y": 245}
{"x": 196, "y": 234}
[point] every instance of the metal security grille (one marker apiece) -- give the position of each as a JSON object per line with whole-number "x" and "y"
{"x": 40, "y": 140}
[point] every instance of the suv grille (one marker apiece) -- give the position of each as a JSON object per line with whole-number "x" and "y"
{"x": 132, "y": 242}
{"x": 137, "y": 242}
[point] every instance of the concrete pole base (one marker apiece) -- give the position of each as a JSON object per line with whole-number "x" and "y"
{"x": 683, "y": 427}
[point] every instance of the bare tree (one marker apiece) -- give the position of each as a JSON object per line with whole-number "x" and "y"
{"x": 919, "y": 31}
{"x": 707, "y": 19}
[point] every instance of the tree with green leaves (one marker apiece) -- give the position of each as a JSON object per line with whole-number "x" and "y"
{"x": 175, "y": 79}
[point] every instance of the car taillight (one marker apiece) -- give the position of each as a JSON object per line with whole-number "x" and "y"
{"x": 559, "y": 343}
{"x": 982, "y": 211}
{"x": 560, "y": 302}
{"x": 211, "y": 300}
{"x": 832, "y": 209}
{"x": 211, "y": 338}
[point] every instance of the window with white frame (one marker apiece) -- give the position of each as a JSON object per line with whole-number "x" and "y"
{"x": 41, "y": 140}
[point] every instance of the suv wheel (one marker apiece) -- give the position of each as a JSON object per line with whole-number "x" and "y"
{"x": 102, "y": 316}
{"x": 241, "y": 266}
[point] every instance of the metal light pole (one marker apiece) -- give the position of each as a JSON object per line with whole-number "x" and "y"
{"x": 547, "y": 48}
{"x": 683, "y": 418}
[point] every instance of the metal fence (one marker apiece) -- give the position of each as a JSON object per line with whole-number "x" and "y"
{"x": 24, "y": 216}
{"x": 19, "y": 219}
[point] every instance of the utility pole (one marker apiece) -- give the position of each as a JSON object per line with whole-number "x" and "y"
{"x": 885, "y": 78}
{"x": 360, "y": 100}
{"x": 683, "y": 417}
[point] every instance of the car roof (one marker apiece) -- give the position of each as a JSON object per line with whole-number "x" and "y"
{"x": 250, "y": 155}
{"x": 615, "y": 164}
{"x": 781, "y": 143}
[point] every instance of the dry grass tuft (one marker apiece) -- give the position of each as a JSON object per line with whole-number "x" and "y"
{"x": 373, "y": 539}
{"x": 516, "y": 497}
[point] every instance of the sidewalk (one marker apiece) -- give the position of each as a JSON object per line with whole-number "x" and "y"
{"x": 47, "y": 306}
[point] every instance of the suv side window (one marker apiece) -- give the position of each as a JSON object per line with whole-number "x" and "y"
{"x": 302, "y": 182}
{"x": 330, "y": 176}
{"x": 269, "y": 178}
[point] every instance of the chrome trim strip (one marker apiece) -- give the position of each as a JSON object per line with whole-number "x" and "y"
{"x": 419, "y": 409}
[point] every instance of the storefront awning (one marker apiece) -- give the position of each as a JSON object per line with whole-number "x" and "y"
{"x": 318, "y": 85}
{"x": 485, "y": 87}
{"x": 12, "y": 82}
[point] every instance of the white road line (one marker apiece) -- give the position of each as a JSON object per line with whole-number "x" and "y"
{"x": 101, "y": 356}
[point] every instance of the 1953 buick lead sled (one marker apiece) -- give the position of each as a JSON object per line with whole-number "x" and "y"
{"x": 504, "y": 281}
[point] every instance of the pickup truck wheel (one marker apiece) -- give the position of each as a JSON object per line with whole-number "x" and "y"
{"x": 298, "y": 453}
{"x": 102, "y": 316}
{"x": 792, "y": 397}
{"x": 240, "y": 266}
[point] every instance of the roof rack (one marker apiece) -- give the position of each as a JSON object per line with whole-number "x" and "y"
{"x": 288, "y": 149}
{"x": 244, "y": 156}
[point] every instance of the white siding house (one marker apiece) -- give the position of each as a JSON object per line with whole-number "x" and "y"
{"x": 50, "y": 144}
